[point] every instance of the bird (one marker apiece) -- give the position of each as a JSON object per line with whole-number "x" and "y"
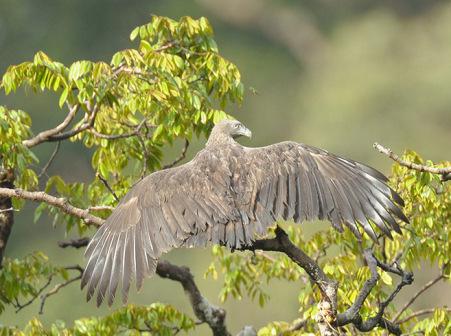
{"x": 229, "y": 194}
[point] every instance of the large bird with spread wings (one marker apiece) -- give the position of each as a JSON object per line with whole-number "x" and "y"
{"x": 229, "y": 194}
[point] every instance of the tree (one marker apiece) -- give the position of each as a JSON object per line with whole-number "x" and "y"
{"x": 176, "y": 85}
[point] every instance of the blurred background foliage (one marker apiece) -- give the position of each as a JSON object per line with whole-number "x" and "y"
{"x": 338, "y": 75}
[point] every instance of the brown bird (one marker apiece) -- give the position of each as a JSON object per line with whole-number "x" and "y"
{"x": 229, "y": 194}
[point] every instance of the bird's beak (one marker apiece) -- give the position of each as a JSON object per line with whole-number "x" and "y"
{"x": 246, "y": 132}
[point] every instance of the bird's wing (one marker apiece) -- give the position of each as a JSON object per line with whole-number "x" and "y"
{"x": 296, "y": 181}
{"x": 159, "y": 213}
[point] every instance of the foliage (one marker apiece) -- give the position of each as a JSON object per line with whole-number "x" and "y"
{"x": 169, "y": 87}
{"x": 156, "y": 319}
{"x": 22, "y": 278}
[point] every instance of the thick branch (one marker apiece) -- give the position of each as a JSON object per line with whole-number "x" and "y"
{"x": 45, "y": 135}
{"x": 206, "y": 312}
{"x": 445, "y": 172}
{"x": 281, "y": 243}
{"x": 353, "y": 311}
{"x": 61, "y": 203}
{"x": 327, "y": 308}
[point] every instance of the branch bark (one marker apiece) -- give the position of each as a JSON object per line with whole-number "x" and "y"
{"x": 327, "y": 313}
{"x": 45, "y": 135}
{"x": 445, "y": 172}
{"x": 206, "y": 312}
{"x": 61, "y": 203}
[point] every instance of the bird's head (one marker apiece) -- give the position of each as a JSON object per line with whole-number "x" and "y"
{"x": 232, "y": 128}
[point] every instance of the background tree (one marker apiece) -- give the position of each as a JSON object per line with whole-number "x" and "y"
{"x": 172, "y": 86}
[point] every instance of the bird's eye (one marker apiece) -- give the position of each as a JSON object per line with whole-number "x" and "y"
{"x": 237, "y": 126}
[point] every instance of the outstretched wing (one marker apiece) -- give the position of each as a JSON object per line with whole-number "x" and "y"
{"x": 159, "y": 213}
{"x": 230, "y": 197}
{"x": 300, "y": 182}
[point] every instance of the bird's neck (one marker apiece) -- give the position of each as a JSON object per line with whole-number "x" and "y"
{"x": 217, "y": 139}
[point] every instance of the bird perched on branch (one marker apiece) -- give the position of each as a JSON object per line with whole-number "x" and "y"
{"x": 229, "y": 195}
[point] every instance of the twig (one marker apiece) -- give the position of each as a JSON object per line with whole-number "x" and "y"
{"x": 180, "y": 157}
{"x": 417, "y": 294}
{"x": 421, "y": 313}
{"x": 19, "y": 306}
{"x": 45, "y": 135}
{"x": 105, "y": 183}
{"x": 61, "y": 203}
{"x": 206, "y": 312}
{"x": 56, "y": 289}
{"x": 445, "y": 172}
{"x": 135, "y": 132}
{"x": 8, "y": 210}
{"x": 49, "y": 162}
{"x": 100, "y": 208}
{"x": 77, "y": 243}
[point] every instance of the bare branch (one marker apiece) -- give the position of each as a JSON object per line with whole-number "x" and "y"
{"x": 100, "y": 208}
{"x": 180, "y": 157}
{"x": 135, "y": 132}
{"x": 45, "y": 135}
{"x": 105, "y": 183}
{"x": 19, "y": 306}
{"x": 417, "y": 294}
{"x": 49, "y": 162}
{"x": 421, "y": 313}
{"x": 444, "y": 172}
{"x": 206, "y": 312}
{"x": 77, "y": 243}
{"x": 56, "y": 289}
{"x": 8, "y": 210}
{"x": 61, "y": 203}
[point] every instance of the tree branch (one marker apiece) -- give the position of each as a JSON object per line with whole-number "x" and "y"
{"x": 445, "y": 172}
{"x": 49, "y": 162}
{"x": 281, "y": 243}
{"x": 56, "y": 289}
{"x": 105, "y": 183}
{"x": 421, "y": 313}
{"x": 180, "y": 157}
{"x": 61, "y": 203}
{"x": 214, "y": 316}
{"x": 417, "y": 294}
{"x": 77, "y": 243}
{"x": 328, "y": 306}
{"x": 45, "y": 135}
{"x": 352, "y": 314}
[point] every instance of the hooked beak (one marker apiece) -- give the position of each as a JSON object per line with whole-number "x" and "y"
{"x": 246, "y": 132}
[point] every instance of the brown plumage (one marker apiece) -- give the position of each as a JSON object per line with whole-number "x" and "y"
{"x": 229, "y": 194}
